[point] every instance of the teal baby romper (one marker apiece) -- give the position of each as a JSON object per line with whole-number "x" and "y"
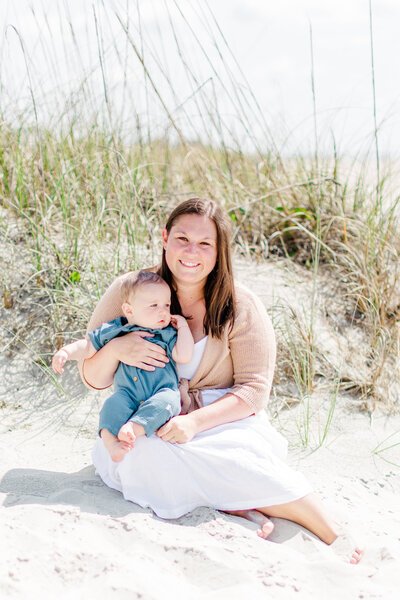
{"x": 149, "y": 398}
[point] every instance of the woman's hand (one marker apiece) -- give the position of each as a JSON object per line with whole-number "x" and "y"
{"x": 135, "y": 351}
{"x": 179, "y": 429}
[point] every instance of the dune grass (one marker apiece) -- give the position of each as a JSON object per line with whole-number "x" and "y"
{"x": 81, "y": 202}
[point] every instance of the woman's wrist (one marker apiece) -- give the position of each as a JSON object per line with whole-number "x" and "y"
{"x": 196, "y": 418}
{"x": 112, "y": 347}
{"x": 193, "y": 422}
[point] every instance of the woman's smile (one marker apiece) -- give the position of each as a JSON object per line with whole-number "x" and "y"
{"x": 191, "y": 248}
{"x": 189, "y": 264}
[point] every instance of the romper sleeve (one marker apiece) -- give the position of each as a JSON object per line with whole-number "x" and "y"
{"x": 253, "y": 350}
{"x": 103, "y": 334}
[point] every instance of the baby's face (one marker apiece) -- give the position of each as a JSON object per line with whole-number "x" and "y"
{"x": 150, "y": 306}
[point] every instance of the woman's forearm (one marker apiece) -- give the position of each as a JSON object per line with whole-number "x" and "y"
{"x": 183, "y": 428}
{"x": 98, "y": 371}
{"x": 227, "y": 409}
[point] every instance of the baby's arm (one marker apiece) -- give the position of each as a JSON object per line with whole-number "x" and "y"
{"x": 75, "y": 351}
{"x": 182, "y": 352}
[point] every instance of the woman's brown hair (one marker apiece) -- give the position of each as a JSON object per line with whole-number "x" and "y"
{"x": 219, "y": 292}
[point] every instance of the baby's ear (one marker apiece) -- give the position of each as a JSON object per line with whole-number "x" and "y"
{"x": 127, "y": 309}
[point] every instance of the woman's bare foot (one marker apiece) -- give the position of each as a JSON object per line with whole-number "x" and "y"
{"x": 127, "y": 434}
{"x": 265, "y": 524}
{"x": 356, "y": 556}
{"x": 344, "y": 545}
{"x": 309, "y": 512}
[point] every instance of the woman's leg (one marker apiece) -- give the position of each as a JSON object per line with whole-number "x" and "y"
{"x": 311, "y": 514}
{"x": 308, "y": 512}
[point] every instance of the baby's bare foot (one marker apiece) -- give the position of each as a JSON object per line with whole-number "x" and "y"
{"x": 118, "y": 450}
{"x": 127, "y": 434}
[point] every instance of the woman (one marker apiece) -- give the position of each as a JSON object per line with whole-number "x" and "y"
{"x": 224, "y": 454}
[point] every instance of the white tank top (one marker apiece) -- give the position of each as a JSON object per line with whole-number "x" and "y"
{"x": 189, "y": 369}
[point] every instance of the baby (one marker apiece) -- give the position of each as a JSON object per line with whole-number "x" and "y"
{"x": 143, "y": 400}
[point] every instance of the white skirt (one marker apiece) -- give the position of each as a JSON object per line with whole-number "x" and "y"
{"x": 235, "y": 466}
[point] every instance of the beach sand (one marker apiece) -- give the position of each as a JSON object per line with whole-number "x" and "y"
{"x": 66, "y": 535}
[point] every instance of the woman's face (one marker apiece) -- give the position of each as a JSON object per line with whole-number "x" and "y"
{"x": 191, "y": 248}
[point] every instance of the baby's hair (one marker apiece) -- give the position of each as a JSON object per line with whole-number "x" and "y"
{"x": 134, "y": 280}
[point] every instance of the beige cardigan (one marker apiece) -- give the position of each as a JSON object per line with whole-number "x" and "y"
{"x": 244, "y": 358}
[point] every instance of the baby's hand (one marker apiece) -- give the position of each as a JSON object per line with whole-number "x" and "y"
{"x": 178, "y": 321}
{"x": 59, "y": 360}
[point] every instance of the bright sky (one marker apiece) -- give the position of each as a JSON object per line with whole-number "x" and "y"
{"x": 182, "y": 47}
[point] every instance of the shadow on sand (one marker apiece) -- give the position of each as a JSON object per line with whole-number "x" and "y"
{"x": 85, "y": 490}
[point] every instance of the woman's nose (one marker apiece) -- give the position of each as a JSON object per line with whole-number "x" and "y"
{"x": 191, "y": 248}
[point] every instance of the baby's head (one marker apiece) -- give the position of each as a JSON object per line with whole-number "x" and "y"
{"x": 146, "y": 300}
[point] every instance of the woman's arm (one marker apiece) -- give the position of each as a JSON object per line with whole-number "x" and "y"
{"x": 253, "y": 352}
{"x": 131, "y": 349}
{"x": 227, "y": 409}
{"x": 183, "y": 428}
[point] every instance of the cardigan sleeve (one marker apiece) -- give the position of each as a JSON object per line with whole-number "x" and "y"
{"x": 253, "y": 350}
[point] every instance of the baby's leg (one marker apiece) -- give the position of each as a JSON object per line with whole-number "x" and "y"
{"x": 157, "y": 410}
{"x": 116, "y": 411}
{"x": 116, "y": 448}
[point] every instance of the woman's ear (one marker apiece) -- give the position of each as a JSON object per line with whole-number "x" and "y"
{"x": 165, "y": 238}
